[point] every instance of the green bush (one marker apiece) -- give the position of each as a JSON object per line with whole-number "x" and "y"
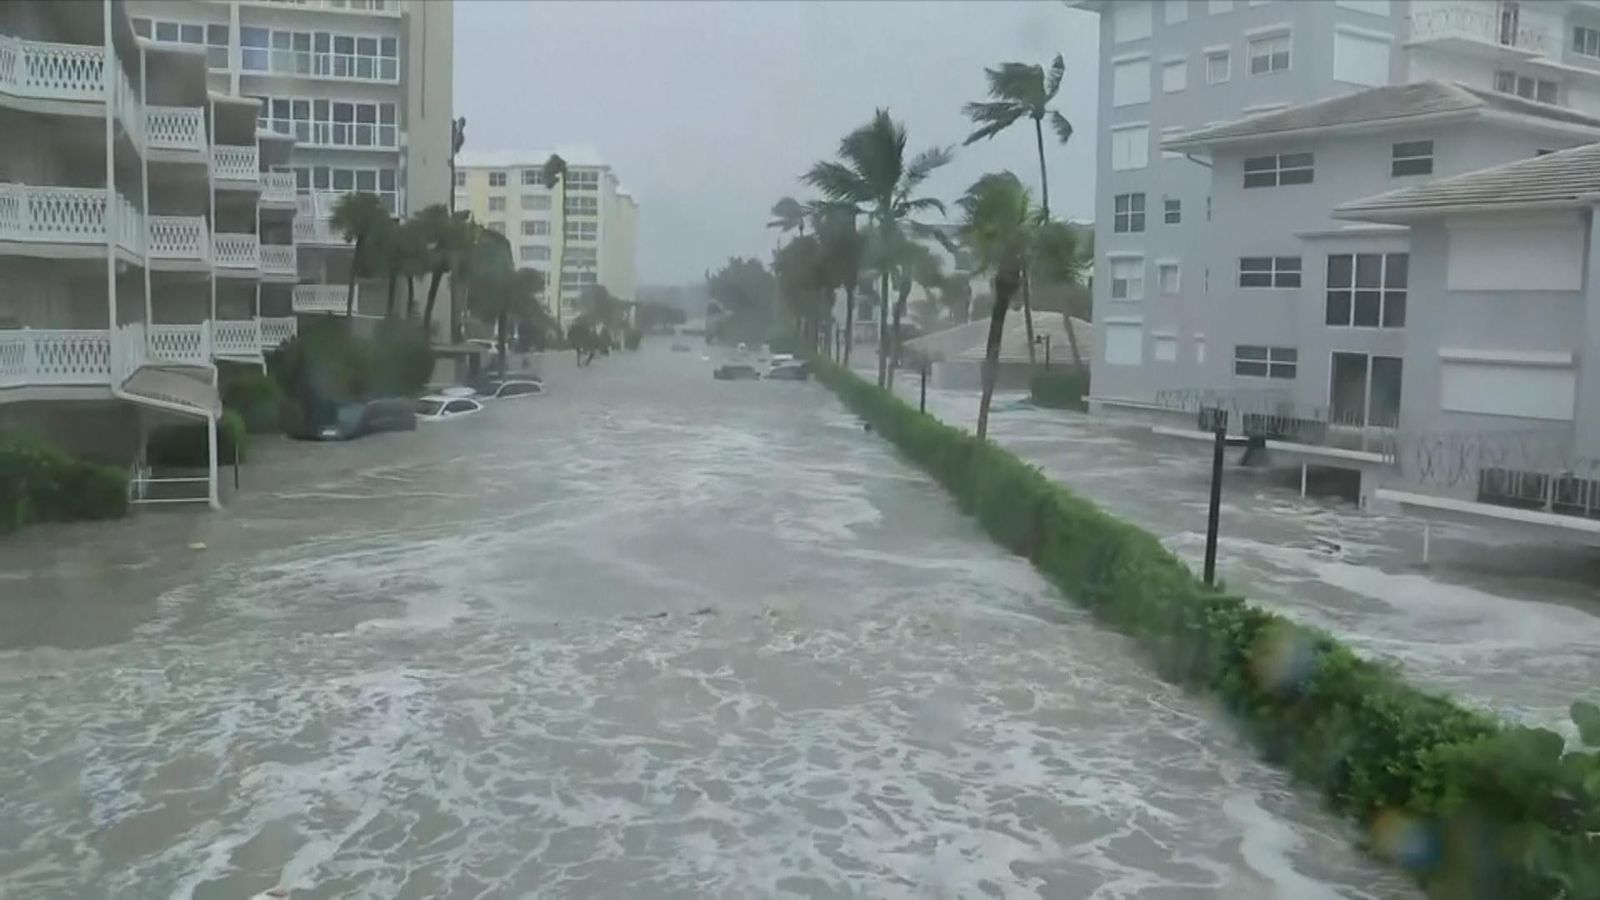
{"x": 255, "y": 395}
{"x": 1474, "y": 807}
{"x": 325, "y": 366}
{"x": 40, "y": 483}
{"x": 1060, "y": 389}
{"x": 401, "y": 359}
{"x": 185, "y": 447}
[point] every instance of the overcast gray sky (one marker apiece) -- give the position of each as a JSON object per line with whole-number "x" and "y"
{"x": 709, "y": 112}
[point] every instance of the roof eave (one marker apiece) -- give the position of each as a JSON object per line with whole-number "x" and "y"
{"x": 1401, "y": 215}
{"x": 1180, "y": 144}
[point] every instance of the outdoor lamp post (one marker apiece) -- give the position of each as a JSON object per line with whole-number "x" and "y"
{"x": 1045, "y": 340}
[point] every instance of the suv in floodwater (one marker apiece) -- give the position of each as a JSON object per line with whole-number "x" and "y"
{"x": 736, "y": 372}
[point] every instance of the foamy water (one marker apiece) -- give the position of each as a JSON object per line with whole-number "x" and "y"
{"x": 651, "y": 635}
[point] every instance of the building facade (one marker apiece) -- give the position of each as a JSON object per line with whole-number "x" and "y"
{"x": 582, "y": 227}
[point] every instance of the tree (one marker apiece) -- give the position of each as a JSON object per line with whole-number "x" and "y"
{"x": 842, "y": 248}
{"x": 399, "y": 247}
{"x": 997, "y": 222}
{"x": 358, "y": 216}
{"x": 955, "y": 297}
{"x": 803, "y": 287}
{"x": 1059, "y": 261}
{"x": 788, "y": 215}
{"x": 743, "y": 294}
{"x": 872, "y": 174}
{"x": 1022, "y": 91}
{"x": 555, "y": 176}
{"x": 655, "y": 317}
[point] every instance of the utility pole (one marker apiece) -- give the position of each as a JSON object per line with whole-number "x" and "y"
{"x": 1215, "y": 420}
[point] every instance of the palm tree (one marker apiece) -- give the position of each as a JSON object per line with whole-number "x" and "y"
{"x": 997, "y": 222}
{"x": 399, "y": 250}
{"x": 842, "y": 248}
{"x": 872, "y": 174}
{"x": 445, "y": 239}
{"x": 1020, "y": 90}
{"x": 788, "y": 215}
{"x": 358, "y": 216}
{"x": 555, "y": 175}
{"x": 1060, "y": 260}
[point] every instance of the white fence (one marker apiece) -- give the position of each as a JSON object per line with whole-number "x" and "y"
{"x": 277, "y": 329}
{"x": 183, "y": 344}
{"x": 236, "y": 337}
{"x": 278, "y": 187}
{"x": 278, "y": 259}
{"x": 55, "y": 356}
{"x": 236, "y": 251}
{"x": 175, "y": 128}
{"x": 179, "y": 237}
{"x": 322, "y": 298}
{"x": 49, "y": 71}
{"x": 236, "y": 163}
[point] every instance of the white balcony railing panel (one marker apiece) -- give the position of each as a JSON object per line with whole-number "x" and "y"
{"x": 278, "y": 259}
{"x": 236, "y": 337}
{"x": 1481, "y": 22}
{"x": 55, "y": 356}
{"x": 182, "y": 344}
{"x": 65, "y": 215}
{"x": 179, "y": 237}
{"x": 322, "y": 298}
{"x": 236, "y": 163}
{"x": 236, "y": 251}
{"x": 47, "y": 71}
{"x": 277, "y": 329}
{"x": 175, "y": 128}
{"x": 317, "y": 231}
{"x": 278, "y": 187}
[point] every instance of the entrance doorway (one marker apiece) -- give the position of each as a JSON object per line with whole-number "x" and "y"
{"x": 1364, "y": 390}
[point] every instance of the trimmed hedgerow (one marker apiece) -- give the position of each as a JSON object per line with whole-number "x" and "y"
{"x": 1474, "y": 807}
{"x": 1060, "y": 389}
{"x": 41, "y": 483}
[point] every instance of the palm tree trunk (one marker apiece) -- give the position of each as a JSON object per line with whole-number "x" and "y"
{"x": 350, "y": 292}
{"x": 500, "y": 336}
{"x": 1072, "y": 341}
{"x": 433, "y": 295}
{"x": 894, "y": 345}
{"x": 1044, "y": 176}
{"x": 394, "y": 282}
{"x": 849, "y": 321}
{"x": 1027, "y": 312}
{"x": 883, "y": 333}
{"x": 991, "y": 354}
{"x": 411, "y": 297}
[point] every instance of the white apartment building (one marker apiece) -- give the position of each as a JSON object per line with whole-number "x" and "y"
{"x": 583, "y": 228}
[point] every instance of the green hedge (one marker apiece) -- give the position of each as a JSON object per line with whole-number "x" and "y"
{"x": 41, "y": 483}
{"x": 1474, "y": 807}
{"x": 1060, "y": 389}
{"x": 255, "y": 395}
{"x": 184, "y": 446}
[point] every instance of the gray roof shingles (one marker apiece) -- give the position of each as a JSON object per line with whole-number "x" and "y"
{"x": 1568, "y": 178}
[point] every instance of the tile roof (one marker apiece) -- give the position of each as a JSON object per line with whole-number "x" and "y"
{"x": 1568, "y": 178}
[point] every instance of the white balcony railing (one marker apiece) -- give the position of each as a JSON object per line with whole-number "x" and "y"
{"x": 322, "y": 298}
{"x": 55, "y": 356}
{"x": 236, "y": 251}
{"x": 236, "y": 337}
{"x": 277, "y": 329}
{"x": 175, "y": 128}
{"x": 62, "y": 215}
{"x": 236, "y": 163}
{"x": 47, "y": 71}
{"x": 179, "y": 237}
{"x": 278, "y": 259}
{"x": 181, "y": 344}
{"x": 1480, "y": 22}
{"x": 278, "y": 187}
{"x": 317, "y": 231}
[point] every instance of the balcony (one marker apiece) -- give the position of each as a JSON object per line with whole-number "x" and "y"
{"x": 1484, "y": 29}
{"x": 322, "y": 298}
{"x": 32, "y": 356}
{"x": 63, "y": 215}
{"x": 38, "y": 70}
{"x": 237, "y": 164}
{"x": 178, "y": 128}
{"x": 236, "y": 251}
{"x": 278, "y": 260}
{"x": 187, "y": 345}
{"x": 278, "y": 190}
{"x": 369, "y": 7}
{"x": 180, "y": 238}
{"x": 277, "y": 329}
{"x": 236, "y": 338}
{"x": 317, "y": 232}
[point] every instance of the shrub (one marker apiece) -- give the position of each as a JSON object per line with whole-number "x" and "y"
{"x": 184, "y": 446}
{"x": 1472, "y": 806}
{"x": 325, "y": 366}
{"x": 40, "y": 483}
{"x": 401, "y": 359}
{"x": 255, "y": 395}
{"x": 1060, "y": 389}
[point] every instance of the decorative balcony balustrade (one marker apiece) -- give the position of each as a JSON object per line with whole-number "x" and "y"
{"x": 278, "y": 187}
{"x": 236, "y": 337}
{"x": 277, "y": 329}
{"x": 322, "y": 298}
{"x": 236, "y": 251}
{"x": 61, "y": 215}
{"x": 179, "y": 237}
{"x": 55, "y": 356}
{"x": 180, "y": 344}
{"x": 317, "y": 231}
{"x": 1484, "y": 23}
{"x": 279, "y": 259}
{"x": 236, "y": 163}
{"x": 47, "y": 71}
{"x": 175, "y": 128}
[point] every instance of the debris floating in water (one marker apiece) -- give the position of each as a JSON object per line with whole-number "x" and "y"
{"x": 198, "y": 545}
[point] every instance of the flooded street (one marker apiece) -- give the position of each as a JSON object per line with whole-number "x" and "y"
{"x": 649, "y": 635}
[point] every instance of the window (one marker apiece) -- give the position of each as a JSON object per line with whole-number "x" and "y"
{"x": 1130, "y": 21}
{"x": 497, "y": 179}
{"x": 1265, "y": 362}
{"x": 497, "y": 204}
{"x": 1278, "y": 170}
{"x": 535, "y": 227}
{"x": 1269, "y": 54}
{"x": 1367, "y": 290}
{"x": 460, "y": 406}
{"x": 1167, "y": 278}
{"x": 579, "y": 256}
{"x": 1127, "y": 278}
{"x": 1218, "y": 67}
{"x": 1219, "y": 6}
{"x": 1412, "y": 158}
{"x": 1171, "y": 211}
{"x": 532, "y": 177}
{"x": 461, "y": 178}
{"x": 535, "y": 201}
{"x": 1586, "y": 41}
{"x": 583, "y": 180}
{"x": 1127, "y": 213}
{"x": 1174, "y": 75}
{"x": 1164, "y": 347}
{"x": 578, "y": 279}
{"x": 582, "y": 231}
{"x": 1523, "y": 86}
{"x": 1124, "y": 342}
{"x": 334, "y": 123}
{"x": 1269, "y": 271}
{"x": 1361, "y": 57}
{"x": 1130, "y": 82}
{"x": 582, "y": 206}
{"x": 1130, "y": 147}
{"x": 1176, "y": 11}
{"x": 497, "y": 227}
{"x": 533, "y": 252}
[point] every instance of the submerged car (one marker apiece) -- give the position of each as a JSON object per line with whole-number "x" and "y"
{"x": 681, "y": 348}
{"x": 353, "y": 420}
{"x": 439, "y": 407}
{"x": 791, "y": 371}
{"x": 735, "y": 372}
{"x": 510, "y": 388}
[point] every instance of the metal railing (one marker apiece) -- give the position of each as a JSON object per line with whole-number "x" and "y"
{"x": 277, "y": 329}
{"x": 47, "y": 71}
{"x": 236, "y": 163}
{"x": 236, "y": 251}
{"x": 55, "y": 356}
{"x": 63, "y": 215}
{"x": 317, "y": 231}
{"x": 236, "y": 337}
{"x": 322, "y": 298}
{"x": 175, "y": 128}
{"x": 278, "y": 259}
{"x": 1478, "y": 21}
{"x": 182, "y": 344}
{"x": 179, "y": 237}
{"x": 278, "y": 187}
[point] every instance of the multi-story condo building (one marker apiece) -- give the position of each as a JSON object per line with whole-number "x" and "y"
{"x": 583, "y": 228}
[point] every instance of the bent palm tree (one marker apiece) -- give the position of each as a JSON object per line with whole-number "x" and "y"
{"x": 445, "y": 239}
{"x": 1059, "y": 260}
{"x": 842, "y": 250}
{"x": 788, "y": 215}
{"x": 997, "y": 223}
{"x": 872, "y": 173}
{"x": 555, "y": 175}
{"x": 1018, "y": 91}
{"x": 358, "y": 217}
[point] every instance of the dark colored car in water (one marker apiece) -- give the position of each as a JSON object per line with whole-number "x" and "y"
{"x": 353, "y": 420}
{"x": 735, "y": 372}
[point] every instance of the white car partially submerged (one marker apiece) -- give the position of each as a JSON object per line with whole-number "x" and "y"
{"x": 510, "y": 388}
{"x": 440, "y": 407}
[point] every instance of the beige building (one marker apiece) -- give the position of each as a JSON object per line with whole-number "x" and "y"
{"x": 583, "y": 228}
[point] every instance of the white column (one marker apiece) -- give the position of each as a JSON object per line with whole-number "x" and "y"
{"x": 212, "y": 420}
{"x": 144, "y": 164}
{"x": 112, "y": 212}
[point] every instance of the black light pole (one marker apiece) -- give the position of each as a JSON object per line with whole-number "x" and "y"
{"x": 1217, "y": 421}
{"x": 922, "y": 402}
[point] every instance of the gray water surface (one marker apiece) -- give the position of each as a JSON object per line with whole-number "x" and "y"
{"x": 650, "y": 635}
